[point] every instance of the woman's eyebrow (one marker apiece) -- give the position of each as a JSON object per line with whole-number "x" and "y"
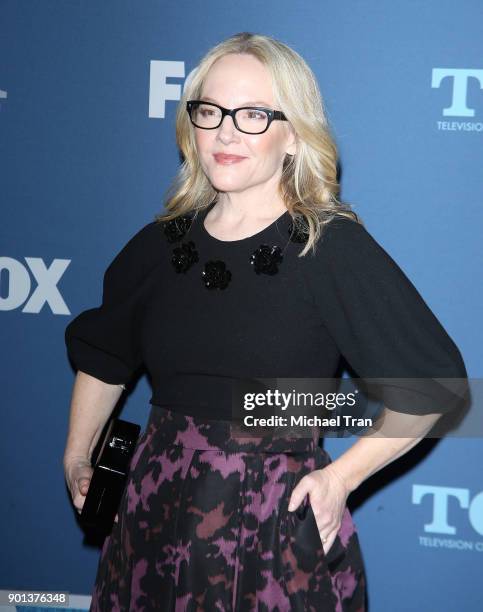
{"x": 249, "y": 103}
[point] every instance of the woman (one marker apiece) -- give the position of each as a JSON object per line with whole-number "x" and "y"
{"x": 256, "y": 271}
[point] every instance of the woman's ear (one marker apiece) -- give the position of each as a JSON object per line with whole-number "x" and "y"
{"x": 291, "y": 148}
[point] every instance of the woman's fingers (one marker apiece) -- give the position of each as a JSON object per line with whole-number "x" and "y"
{"x": 300, "y": 491}
{"x": 328, "y": 523}
{"x": 79, "y": 474}
{"x": 80, "y": 496}
{"x": 327, "y": 497}
{"x": 328, "y": 540}
{"x": 83, "y": 484}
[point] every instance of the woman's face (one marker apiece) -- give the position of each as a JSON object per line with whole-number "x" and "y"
{"x": 234, "y": 81}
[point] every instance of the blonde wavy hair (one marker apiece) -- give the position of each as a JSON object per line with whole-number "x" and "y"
{"x": 308, "y": 185}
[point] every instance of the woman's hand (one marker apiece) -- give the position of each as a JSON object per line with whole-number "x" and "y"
{"x": 78, "y": 474}
{"x": 328, "y": 493}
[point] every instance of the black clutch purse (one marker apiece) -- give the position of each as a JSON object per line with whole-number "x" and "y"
{"x": 110, "y": 473}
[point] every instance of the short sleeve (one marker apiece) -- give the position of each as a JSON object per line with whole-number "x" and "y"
{"x": 381, "y": 324}
{"x": 105, "y": 341}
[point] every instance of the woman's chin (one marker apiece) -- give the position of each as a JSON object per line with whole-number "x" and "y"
{"x": 225, "y": 184}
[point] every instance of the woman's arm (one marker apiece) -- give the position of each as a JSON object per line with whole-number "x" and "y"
{"x": 330, "y": 486}
{"x": 92, "y": 403}
{"x": 373, "y": 451}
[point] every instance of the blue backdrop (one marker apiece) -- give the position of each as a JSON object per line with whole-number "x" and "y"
{"x": 88, "y": 93}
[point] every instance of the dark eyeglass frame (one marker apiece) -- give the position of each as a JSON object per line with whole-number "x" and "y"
{"x": 273, "y": 115}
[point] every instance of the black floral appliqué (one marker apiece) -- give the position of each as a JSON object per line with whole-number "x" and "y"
{"x": 297, "y": 234}
{"x": 177, "y": 228}
{"x": 184, "y": 256}
{"x": 266, "y": 258}
{"x": 215, "y": 275}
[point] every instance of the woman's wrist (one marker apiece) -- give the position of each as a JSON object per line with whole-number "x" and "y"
{"x": 70, "y": 460}
{"x": 346, "y": 482}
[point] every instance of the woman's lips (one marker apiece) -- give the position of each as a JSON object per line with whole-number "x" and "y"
{"x": 222, "y": 158}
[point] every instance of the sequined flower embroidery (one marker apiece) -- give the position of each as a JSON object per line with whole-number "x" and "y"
{"x": 215, "y": 275}
{"x": 177, "y": 228}
{"x": 184, "y": 256}
{"x": 266, "y": 259}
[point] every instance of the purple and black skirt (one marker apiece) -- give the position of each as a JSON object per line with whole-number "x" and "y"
{"x": 204, "y": 526}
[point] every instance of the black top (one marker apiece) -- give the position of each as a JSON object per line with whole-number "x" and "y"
{"x": 348, "y": 299}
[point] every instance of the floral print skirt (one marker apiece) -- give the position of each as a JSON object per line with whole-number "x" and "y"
{"x": 204, "y": 526}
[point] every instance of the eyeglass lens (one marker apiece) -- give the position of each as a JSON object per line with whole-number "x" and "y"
{"x": 249, "y": 119}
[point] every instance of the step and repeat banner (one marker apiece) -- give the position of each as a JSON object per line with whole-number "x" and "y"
{"x": 88, "y": 96}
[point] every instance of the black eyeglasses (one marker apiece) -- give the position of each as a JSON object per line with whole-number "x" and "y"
{"x": 247, "y": 119}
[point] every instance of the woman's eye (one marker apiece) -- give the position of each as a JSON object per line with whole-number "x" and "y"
{"x": 255, "y": 115}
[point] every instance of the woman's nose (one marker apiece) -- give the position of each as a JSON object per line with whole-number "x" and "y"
{"x": 227, "y": 129}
